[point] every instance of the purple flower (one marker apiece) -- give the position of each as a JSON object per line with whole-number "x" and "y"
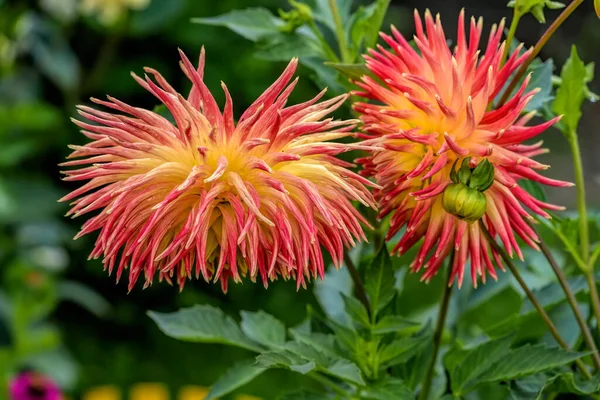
{"x": 34, "y": 386}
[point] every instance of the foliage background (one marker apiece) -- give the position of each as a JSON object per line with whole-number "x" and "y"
{"x": 61, "y": 63}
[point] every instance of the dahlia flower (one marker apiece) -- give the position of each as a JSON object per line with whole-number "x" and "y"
{"x": 431, "y": 113}
{"x": 109, "y": 11}
{"x": 209, "y": 195}
{"x": 33, "y": 386}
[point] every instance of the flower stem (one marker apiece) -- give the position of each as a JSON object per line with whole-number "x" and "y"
{"x": 562, "y": 279}
{"x": 584, "y": 235}
{"x": 511, "y": 34}
{"x": 531, "y": 297}
{"x": 358, "y": 283}
{"x": 330, "y": 53}
{"x": 538, "y": 47}
{"x": 437, "y": 338}
{"x": 339, "y": 31}
{"x": 589, "y": 275}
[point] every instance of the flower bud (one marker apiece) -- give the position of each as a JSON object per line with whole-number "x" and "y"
{"x": 464, "y": 198}
{"x": 296, "y": 17}
{"x": 464, "y": 202}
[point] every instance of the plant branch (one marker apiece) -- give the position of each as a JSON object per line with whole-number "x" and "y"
{"x": 437, "y": 337}
{"x": 589, "y": 275}
{"x": 584, "y": 235}
{"x": 511, "y": 34}
{"x": 330, "y": 53}
{"x": 562, "y": 279}
{"x": 543, "y": 314}
{"x": 538, "y": 47}
{"x": 339, "y": 31}
{"x": 358, "y": 283}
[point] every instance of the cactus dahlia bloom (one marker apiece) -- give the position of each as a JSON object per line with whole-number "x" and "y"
{"x": 431, "y": 114}
{"x": 208, "y": 196}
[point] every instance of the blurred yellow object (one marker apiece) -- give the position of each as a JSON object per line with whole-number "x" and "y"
{"x": 246, "y": 397}
{"x": 193, "y": 393}
{"x": 149, "y": 391}
{"x": 110, "y": 11}
{"x": 103, "y": 393}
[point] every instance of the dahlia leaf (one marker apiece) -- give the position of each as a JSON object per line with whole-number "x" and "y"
{"x": 83, "y": 296}
{"x": 527, "y": 360}
{"x": 352, "y": 71}
{"x": 356, "y": 310}
{"x": 475, "y": 362}
{"x": 205, "y": 324}
{"x": 345, "y": 370}
{"x": 263, "y": 328}
{"x": 286, "y": 359}
{"x": 322, "y": 11}
{"x": 401, "y": 350}
{"x": 570, "y": 382}
{"x": 304, "y": 394}
{"x": 388, "y": 389}
{"x": 322, "y": 342}
{"x": 534, "y": 189}
{"x": 365, "y": 25}
{"x": 571, "y": 93}
{"x": 392, "y": 324}
{"x": 237, "y": 376}
{"x": 329, "y": 294}
{"x": 380, "y": 282}
{"x": 284, "y": 47}
{"x": 541, "y": 79}
{"x": 252, "y": 23}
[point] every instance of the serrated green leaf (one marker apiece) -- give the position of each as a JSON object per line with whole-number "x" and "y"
{"x": 237, "y": 376}
{"x": 322, "y": 11}
{"x": 205, "y": 324}
{"x": 527, "y": 360}
{"x": 366, "y": 24}
{"x": 392, "y": 324}
{"x": 570, "y": 382}
{"x": 320, "y": 341}
{"x": 380, "y": 282}
{"x": 329, "y": 294}
{"x": 571, "y": 93}
{"x": 356, "y": 310}
{"x": 476, "y": 362}
{"x": 304, "y": 394}
{"x": 285, "y": 359}
{"x": 388, "y": 389}
{"x": 263, "y": 328}
{"x": 252, "y": 23}
{"x": 401, "y": 350}
{"x": 284, "y": 47}
{"x": 345, "y": 370}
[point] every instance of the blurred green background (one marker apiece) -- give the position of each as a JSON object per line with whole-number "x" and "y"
{"x": 52, "y": 58}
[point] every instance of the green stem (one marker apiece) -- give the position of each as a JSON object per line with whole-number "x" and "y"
{"x": 543, "y": 314}
{"x": 361, "y": 293}
{"x": 339, "y": 31}
{"x": 330, "y": 384}
{"x": 511, "y": 34}
{"x": 584, "y": 235}
{"x": 538, "y": 47}
{"x": 437, "y": 337}
{"x": 562, "y": 279}
{"x": 331, "y": 56}
{"x": 589, "y": 275}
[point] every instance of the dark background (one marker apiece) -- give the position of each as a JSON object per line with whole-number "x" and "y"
{"x": 123, "y": 346}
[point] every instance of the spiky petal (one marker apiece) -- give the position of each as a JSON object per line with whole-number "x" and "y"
{"x": 431, "y": 110}
{"x": 215, "y": 198}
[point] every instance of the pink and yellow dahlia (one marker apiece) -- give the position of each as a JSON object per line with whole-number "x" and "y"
{"x": 210, "y": 196}
{"x": 431, "y": 117}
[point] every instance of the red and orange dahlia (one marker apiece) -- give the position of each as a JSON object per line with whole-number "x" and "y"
{"x": 208, "y": 196}
{"x": 431, "y": 116}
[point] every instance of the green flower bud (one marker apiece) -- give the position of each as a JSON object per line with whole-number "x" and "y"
{"x": 296, "y": 17}
{"x": 464, "y": 202}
